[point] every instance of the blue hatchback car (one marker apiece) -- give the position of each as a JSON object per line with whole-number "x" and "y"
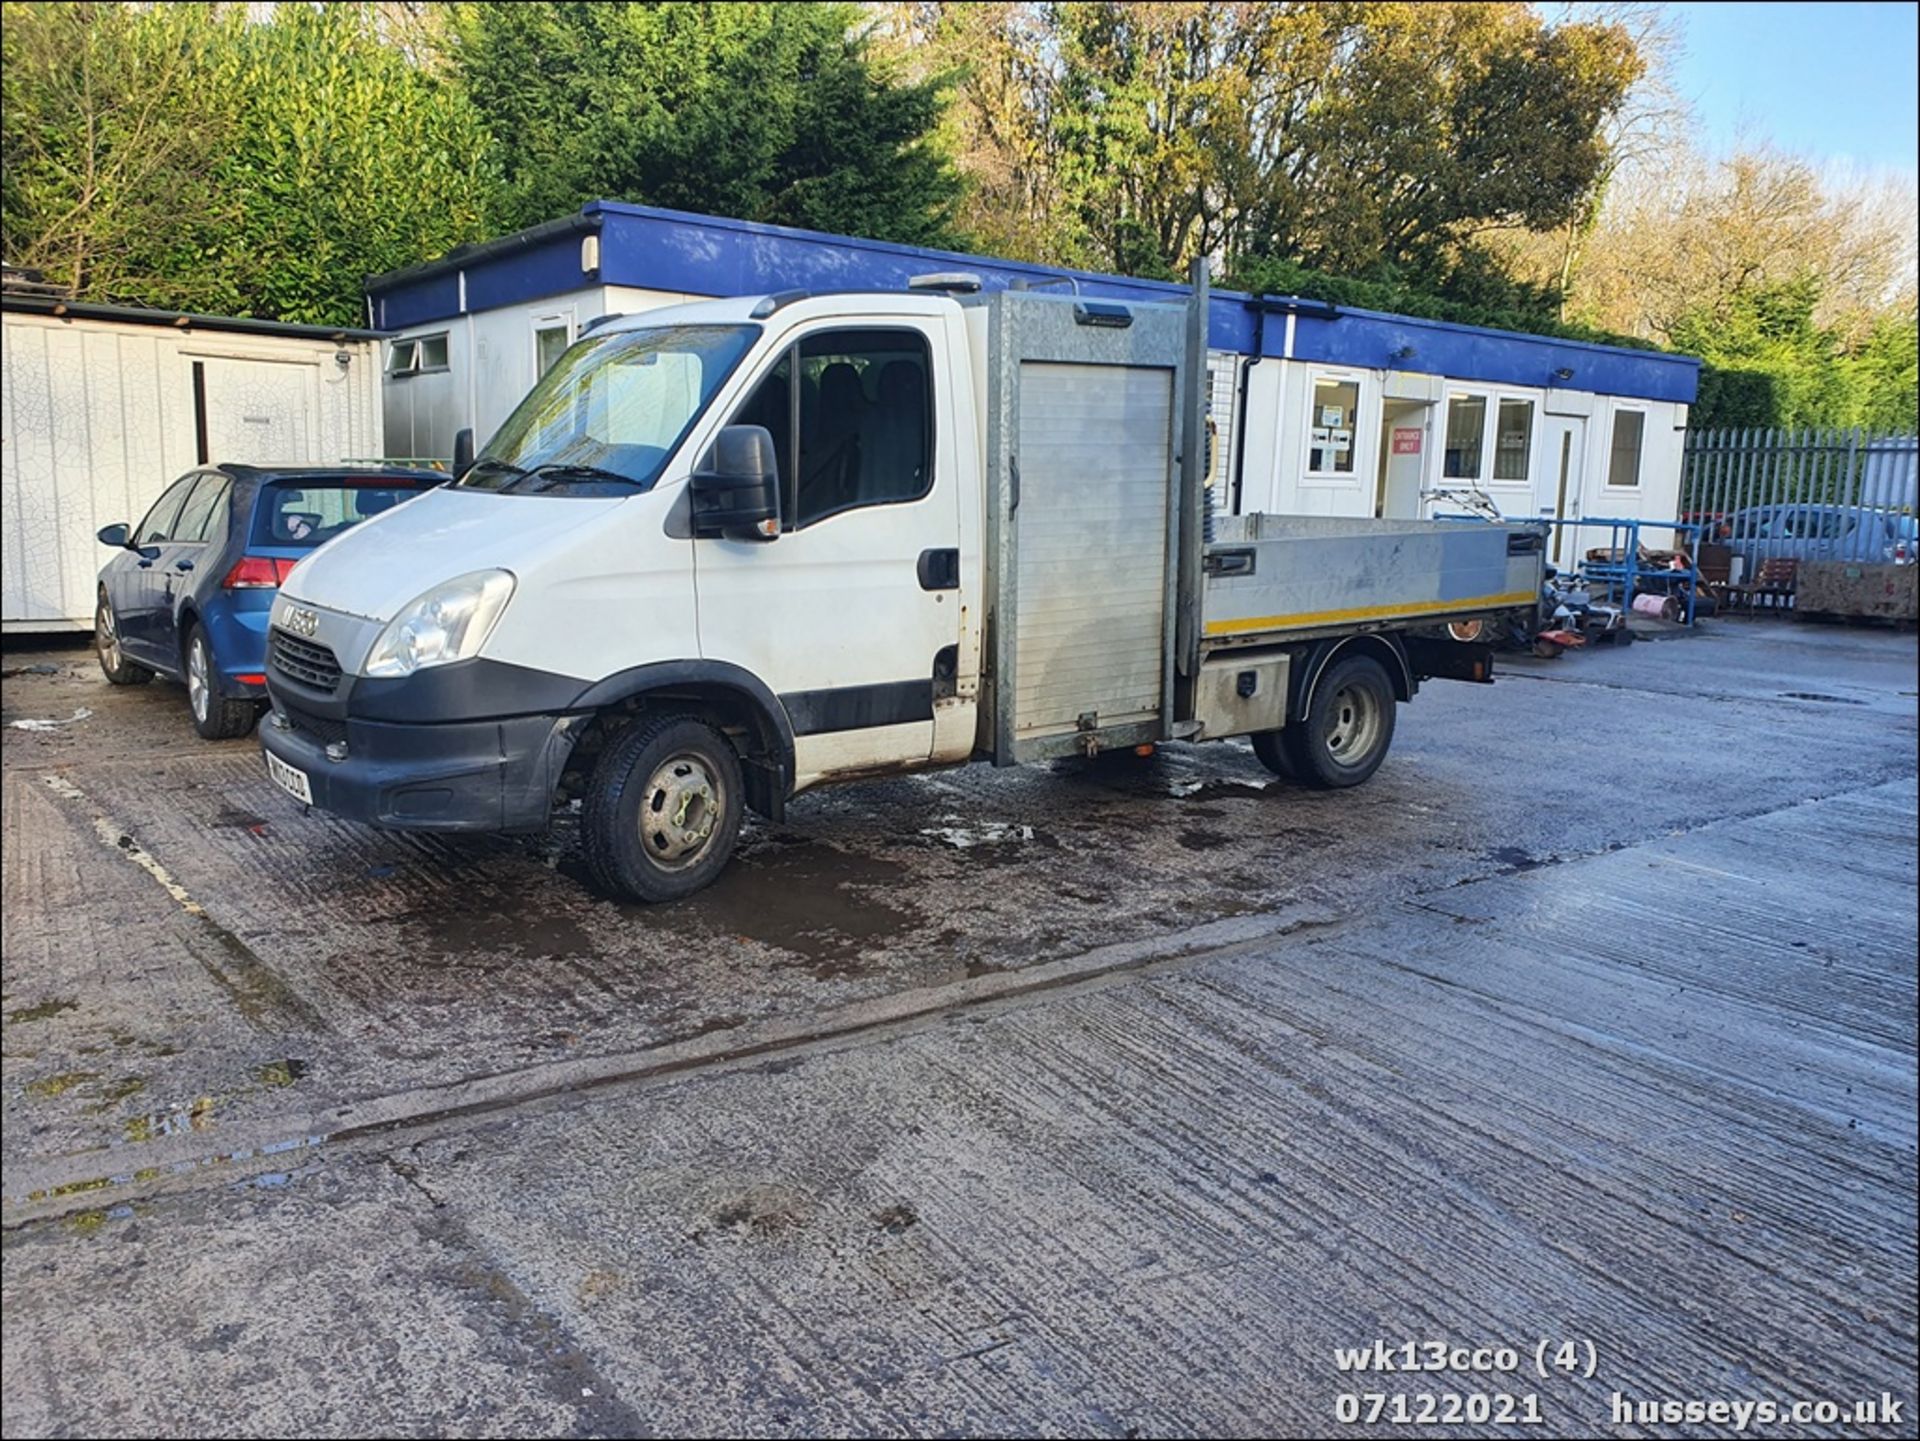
{"x": 189, "y": 594}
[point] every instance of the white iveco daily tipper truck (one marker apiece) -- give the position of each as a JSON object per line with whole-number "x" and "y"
{"x": 729, "y": 551}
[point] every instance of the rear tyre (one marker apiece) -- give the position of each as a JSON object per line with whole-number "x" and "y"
{"x": 1275, "y": 754}
{"x": 663, "y": 809}
{"x": 1348, "y": 727}
{"x": 214, "y": 716}
{"x": 106, "y": 644}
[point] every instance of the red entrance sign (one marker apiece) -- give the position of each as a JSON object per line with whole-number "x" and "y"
{"x": 1406, "y": 440}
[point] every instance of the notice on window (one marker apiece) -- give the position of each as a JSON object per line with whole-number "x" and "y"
{"x": 1342, "y": 439}
{"x": 1406, "y": 440}
{"x": 1332, "y": 415}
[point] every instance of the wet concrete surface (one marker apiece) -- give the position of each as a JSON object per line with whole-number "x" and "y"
{"x": 1548, "y": 1030}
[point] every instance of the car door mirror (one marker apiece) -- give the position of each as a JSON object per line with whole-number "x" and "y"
{"x": 462, "y": 452}
{"x": 113, "y": 535}
{"x": 736, "y": 486}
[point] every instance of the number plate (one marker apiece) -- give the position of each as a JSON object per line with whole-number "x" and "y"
{"x": 293, "y": 782}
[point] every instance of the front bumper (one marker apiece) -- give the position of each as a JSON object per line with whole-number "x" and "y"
{"x": 485, "y": 775}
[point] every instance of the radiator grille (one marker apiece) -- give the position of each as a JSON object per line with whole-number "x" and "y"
{"x": 303, "y": 661}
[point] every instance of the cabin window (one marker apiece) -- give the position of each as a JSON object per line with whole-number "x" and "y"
{"x": 1629, "y": 436}
{"x": 1332, "y": 423}
{"x": 1513, "y": 440}
{"x": 1466, "y": 435}
{"x": 417, "y": 354}
{"x": 551, "y": 337}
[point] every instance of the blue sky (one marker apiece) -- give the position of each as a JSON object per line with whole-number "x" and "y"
{"x": 1835, "y": 82}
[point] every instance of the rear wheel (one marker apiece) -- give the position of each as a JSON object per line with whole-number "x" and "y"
{"x": 1275, "y": 753}
{"x": 1348, "y": 727}
{"x": 214, "y": 716}
{"x": 106, "y": 644}
{"x": 663, "y": 809}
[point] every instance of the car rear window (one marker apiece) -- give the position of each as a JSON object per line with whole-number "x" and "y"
{"x": 304, "y": 516}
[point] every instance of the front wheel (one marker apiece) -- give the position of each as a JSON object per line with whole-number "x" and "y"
{"x": 214, "y": 716}
{"x": 106, "y": 644}
{"x": 1348, "y": 727}
{"x": 663, "y": 809}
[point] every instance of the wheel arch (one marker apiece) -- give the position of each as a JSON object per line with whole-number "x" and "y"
{"x": 1383, "y": 646}
{"x": 739, "y": 701}
{"x": 185, "y": 617}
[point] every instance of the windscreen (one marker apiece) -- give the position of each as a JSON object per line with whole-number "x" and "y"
{"x": 606, "y": 417}
{"x": 306, "y": 515}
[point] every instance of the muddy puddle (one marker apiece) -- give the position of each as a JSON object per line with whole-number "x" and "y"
{"x": 828, "y": 907}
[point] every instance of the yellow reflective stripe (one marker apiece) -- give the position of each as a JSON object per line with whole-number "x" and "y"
{"x": 1369, "y": 612}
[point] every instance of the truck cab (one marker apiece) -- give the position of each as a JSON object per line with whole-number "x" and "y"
{"x": 725, "y": 552}
{"x": 444, "y": 672}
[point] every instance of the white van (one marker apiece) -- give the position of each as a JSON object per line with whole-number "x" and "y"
{"x": 729, "y": 551}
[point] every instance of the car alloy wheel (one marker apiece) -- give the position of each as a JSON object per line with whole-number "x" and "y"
{"x": 199, "y": 682}
{"x": 107, "y": 636}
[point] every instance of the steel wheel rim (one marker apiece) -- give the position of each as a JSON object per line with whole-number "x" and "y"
{"x": 1355, "y": 724}
{"x": 109, "y": 636}
{"x": 680, "y": 811}
{"x": 198, "y": 691}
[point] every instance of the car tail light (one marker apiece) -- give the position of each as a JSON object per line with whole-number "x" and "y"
{"x": 257, "y": 572}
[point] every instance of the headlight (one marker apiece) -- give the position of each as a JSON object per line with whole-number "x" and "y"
{"x": 450, "y": 622}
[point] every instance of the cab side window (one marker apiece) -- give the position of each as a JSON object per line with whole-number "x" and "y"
{"x": 158, "y": 527}
{"x": 865, "y": 432}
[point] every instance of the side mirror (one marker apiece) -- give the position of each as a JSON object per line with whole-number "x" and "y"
{"x": 113, "y": 535}
{"x": 736, "y": 486}
{"x": 462, "y": 452}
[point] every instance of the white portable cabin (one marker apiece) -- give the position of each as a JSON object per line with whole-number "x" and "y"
{"x": 1315, "y": 409}
{"x": 103, "y": 406}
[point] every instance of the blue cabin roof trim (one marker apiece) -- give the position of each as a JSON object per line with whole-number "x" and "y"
{"x": 672, "y": 250}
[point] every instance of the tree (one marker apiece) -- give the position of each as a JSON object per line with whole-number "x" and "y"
{"x": 1636, "y": 136}
{"x": 989, "y": 59}
{"x": 1796, "y": 286}
{"x": 108, "y": 159}
{"x": 348, "y": 159}
{"x": 1886, "y": 368}
{"x": 767, "y": 112}
{"x": 203, "y": 158}
{"x": 1360, "y": 137}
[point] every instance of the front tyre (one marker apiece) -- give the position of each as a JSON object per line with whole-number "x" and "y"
{"x": 106, "y": 644}
{"x": 214, "y": 716}
{"x": 1347, "y": 729}
{"x": 663, "y": 809}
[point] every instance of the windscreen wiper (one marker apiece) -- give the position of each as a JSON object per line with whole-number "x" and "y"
{"x": 489, "y": 462}
{"x": 567, "y": 470}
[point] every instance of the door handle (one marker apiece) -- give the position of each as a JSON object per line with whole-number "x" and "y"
{"x": 939, "y": 569}
{"x": 184, "y": 565}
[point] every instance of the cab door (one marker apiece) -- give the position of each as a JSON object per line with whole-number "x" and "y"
{"x": 852, "y": 615}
